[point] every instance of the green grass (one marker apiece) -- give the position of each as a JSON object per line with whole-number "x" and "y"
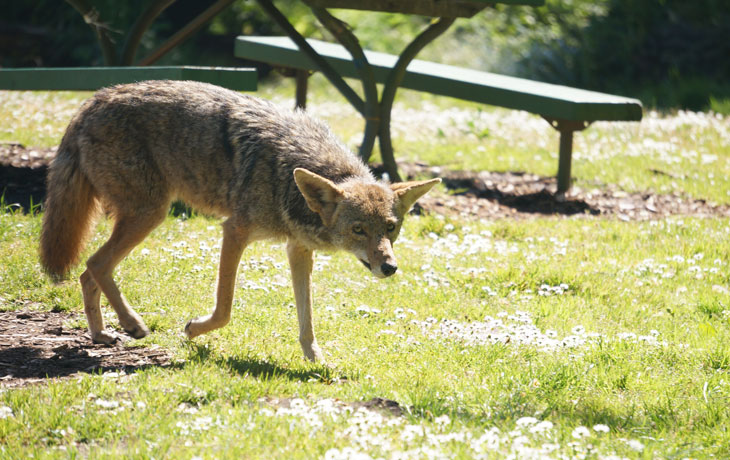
{"x": 37, "y": 118}
{"x": 645, "y": 305}
{"x": 496, "y": 338}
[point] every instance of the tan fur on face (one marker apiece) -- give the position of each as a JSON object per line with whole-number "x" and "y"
{"x": 374, "y": 200}
{"x": 372, "y": 207}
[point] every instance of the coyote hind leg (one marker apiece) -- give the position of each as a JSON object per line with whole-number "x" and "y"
{"x": 128, "y": 232}
{"x": 92, "y": 308}
{"x": 235, "y": 239}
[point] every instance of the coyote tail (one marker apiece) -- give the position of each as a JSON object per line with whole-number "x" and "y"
{"x": 70, "y": 209}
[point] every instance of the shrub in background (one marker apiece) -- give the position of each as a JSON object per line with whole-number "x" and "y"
{"x": 670, "y": 53}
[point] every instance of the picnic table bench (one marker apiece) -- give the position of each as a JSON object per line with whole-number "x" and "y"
{"x": 566, "y": 109}
{"x": 92, "y": 78}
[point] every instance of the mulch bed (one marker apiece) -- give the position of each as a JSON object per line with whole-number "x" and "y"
{"x": 36, "y": 346}
{"x": 491, "y": 195}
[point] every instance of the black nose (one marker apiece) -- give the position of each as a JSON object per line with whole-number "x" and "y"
{"x": 388, "y": 269}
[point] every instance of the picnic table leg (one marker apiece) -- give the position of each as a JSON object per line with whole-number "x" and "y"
{"x": 566, "y": 128}
{"x": 395, "y": 77}
{"x": 566, "y": 154}
{"x": 377, "y": 115}
{"x": 302, "y": 78}
{"x": 322, "y": 65}
{"x": 371, "y": 110}
{"x": 185, "y": 33}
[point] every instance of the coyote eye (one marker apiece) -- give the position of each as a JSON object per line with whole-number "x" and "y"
{"x": 357, "y": 229}
{"x": 390, "y": 227}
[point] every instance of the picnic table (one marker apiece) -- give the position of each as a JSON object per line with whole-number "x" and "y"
{"x": 566, "y": 109}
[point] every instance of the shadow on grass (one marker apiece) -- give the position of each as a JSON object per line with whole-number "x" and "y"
{"x": 264, "y": 369}
{"x": 525, "y": 193}
{"x": 26, "y": 364}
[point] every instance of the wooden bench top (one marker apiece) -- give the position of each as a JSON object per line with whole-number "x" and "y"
{"x": 548, "y": 100}
{"x": 92, "y": 78}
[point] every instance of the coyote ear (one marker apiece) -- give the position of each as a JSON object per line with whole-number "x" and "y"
{"x": 321, "y": 194}
{"x": 408, "y": 192}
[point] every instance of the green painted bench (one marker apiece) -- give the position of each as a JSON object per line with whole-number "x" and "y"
{"x": 566, "y": 109}
{"x": 92, "y": 78}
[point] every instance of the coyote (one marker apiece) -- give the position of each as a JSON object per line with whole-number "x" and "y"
{"x": 133, "y": 149}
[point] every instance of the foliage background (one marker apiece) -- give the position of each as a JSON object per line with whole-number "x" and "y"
{"x": 669, "y": 53}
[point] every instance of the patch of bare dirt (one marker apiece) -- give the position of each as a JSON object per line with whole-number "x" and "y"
{"x": 386, "y": 406}
{"x": 490, "y": 195}
{"x": 36, "y": 346}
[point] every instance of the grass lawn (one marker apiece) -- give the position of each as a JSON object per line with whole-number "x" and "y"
{"x": 562, "y": 338}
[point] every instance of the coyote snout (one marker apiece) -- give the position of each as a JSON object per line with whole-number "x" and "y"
{"x": 380, "y": 258}
{"x": 385, "y": 270}
{"x": 133, "y": 149}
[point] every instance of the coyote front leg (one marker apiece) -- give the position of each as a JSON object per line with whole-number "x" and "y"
{"x": 301, "y": 262}
{"x": 235, "y": 239}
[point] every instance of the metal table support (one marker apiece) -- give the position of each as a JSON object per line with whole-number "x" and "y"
{"x": 376, "y": 112}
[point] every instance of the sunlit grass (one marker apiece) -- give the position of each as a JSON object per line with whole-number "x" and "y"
{"x": 37, "y": 118}
{"x": 560, "y": 337}
{"x": 526, "y": 335}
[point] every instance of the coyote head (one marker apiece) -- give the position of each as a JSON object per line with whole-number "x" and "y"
{"x": 363, "y": 217}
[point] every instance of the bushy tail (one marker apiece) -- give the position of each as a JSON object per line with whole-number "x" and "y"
{"x": 70, "y": 209}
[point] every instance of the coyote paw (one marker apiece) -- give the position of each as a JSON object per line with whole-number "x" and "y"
{"x": 104, "y": 338}
{"x": 188, "y": 333}
{"x": 313, "y": 353}
{"x": 203, "y": 325}
{"x": 138, "y": 332}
